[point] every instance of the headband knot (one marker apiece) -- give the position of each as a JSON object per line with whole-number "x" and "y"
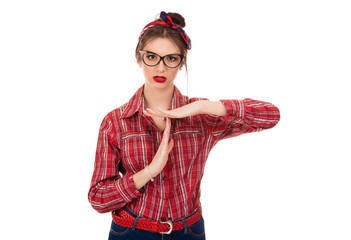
{"x": 167, "y": 22}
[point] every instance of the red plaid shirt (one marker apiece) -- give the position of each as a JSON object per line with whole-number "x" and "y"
{"x": 128, "y": 141}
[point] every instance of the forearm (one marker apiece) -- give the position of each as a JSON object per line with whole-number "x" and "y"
{"x": 142, "y": 177}
{"x": 145, "y": 175}
{"x": 211, "y": 107}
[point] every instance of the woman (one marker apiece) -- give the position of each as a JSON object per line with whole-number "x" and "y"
{"x": 151, "y": 152}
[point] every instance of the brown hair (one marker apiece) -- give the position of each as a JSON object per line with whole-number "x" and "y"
{"x": 164, "y": 32}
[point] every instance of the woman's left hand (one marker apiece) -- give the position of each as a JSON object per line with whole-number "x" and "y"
{"x": 190, "y": 109}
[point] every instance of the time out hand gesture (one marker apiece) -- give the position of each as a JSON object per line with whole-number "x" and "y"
{"x": 161, "y": 157}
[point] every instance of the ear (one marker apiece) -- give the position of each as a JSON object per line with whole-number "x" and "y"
{"x": 181, "y": 66}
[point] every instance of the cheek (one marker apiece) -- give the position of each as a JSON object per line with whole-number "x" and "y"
{"x": 146, "y": 71}
{"x": 174, "y": 73}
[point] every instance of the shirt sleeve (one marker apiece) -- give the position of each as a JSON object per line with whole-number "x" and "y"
{"x": 108, "y": 190}
{"x": 242, "y": 116}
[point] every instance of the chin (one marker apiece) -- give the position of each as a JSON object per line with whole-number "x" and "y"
{"x": 156, "y": 85}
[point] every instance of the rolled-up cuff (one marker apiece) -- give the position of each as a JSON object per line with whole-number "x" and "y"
{"x": 125, "y": 186}
{"x": 235, "y": 108}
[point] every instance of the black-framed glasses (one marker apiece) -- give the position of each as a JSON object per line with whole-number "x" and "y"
{"x": 152, "y": 59}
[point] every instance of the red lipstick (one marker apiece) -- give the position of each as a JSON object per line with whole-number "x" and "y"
{"x": 159, "y": 79}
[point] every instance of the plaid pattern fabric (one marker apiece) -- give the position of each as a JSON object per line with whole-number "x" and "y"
{"x": 128, "y": 141}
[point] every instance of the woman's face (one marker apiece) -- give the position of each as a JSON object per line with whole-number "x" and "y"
{"x": 160, "y": 76}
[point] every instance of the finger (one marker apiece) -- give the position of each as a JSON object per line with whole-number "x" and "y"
{"x": 174, "y": 113}
{"x": 149, "y": 112}
{"x": 168, "y": 124}
{"x": 161, "y": 113}
{"x": 167, "y": 130}
{"x": 165, "y": 113}
{"x": 154, "y": 113}
{"x": 170, "y": 145}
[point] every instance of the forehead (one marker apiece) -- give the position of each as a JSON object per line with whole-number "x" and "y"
{"x": 162, "y": 46}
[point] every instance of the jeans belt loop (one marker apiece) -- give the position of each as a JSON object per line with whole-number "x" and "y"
{"x": 185, "y": 226}
{"x": 135, "y": 222}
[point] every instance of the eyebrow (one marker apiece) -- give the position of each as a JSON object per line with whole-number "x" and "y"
{"x": 163, "y": 55}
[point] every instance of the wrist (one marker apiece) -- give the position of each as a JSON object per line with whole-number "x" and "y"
{"x": 152, "y": 170}
{"x": 150, "y": 173}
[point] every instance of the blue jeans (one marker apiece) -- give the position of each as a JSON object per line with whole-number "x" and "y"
{"x": 193, "y": 232}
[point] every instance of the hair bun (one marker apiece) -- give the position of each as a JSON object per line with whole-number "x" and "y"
{"x": 177, "y": 19}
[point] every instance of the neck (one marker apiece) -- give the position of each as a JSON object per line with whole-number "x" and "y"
{"x": 158, "y": 98}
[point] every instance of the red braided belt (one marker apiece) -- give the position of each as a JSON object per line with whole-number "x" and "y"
{"x": 126, "y": 220}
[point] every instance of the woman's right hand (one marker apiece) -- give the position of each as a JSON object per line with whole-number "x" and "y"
{"x": 160, "y": 160}
{"x": 161, "y": 156}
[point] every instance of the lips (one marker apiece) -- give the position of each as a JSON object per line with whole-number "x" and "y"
{"x": 159, "y": 79}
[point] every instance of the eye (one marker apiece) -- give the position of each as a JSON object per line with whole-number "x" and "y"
{"x": 173, "y": 58}
{"x": 151, "y": 56}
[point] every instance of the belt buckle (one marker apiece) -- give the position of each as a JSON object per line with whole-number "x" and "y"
{"x": 169, "y": 222}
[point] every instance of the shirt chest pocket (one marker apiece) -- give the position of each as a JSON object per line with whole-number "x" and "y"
{"x": 188, "y": 140}
{"x": 136, "y": 150}
{"x": 187, "y": 134}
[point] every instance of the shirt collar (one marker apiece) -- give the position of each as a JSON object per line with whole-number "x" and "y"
{"x": 136, "y": 103}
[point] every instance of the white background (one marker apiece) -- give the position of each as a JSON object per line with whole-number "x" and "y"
{"x": 65, "y": 64}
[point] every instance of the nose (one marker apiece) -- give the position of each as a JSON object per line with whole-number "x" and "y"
{"x": 161, "y": 67}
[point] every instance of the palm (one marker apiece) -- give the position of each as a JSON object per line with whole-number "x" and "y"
{"x": 185, "y": 111}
